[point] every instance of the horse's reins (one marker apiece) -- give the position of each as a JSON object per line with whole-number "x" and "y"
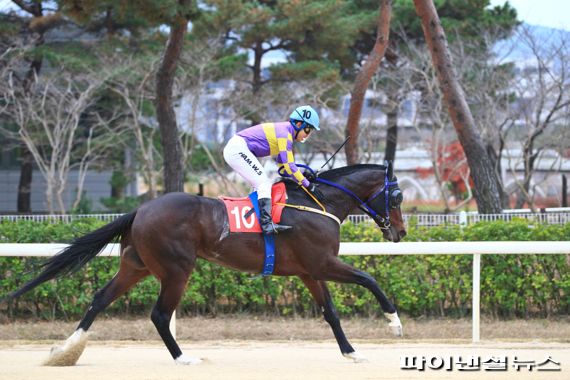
{"x": 384, "y": 223}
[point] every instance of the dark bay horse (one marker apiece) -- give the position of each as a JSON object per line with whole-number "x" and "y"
{"x": 165, "y": 236}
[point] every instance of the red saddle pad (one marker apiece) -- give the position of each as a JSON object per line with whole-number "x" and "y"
{"x": 238, "y": 209}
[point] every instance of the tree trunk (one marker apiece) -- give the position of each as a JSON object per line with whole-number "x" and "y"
{"x": 256, "y": 82}
{"x": 495, "y": 157}
{"x": 363, "y": 78}
{"x": 256, "y": 68}
{"x": 27, "y": 159}
{"x": 523, "y": 194}
{"x": 391, "y": 134}
{"x": 486, "y": 191}
{"x": 24, "y": 203}
{"x": 49, "y": 195}
{"x": 171, "y": 147}
{"x": 25, "y": 184}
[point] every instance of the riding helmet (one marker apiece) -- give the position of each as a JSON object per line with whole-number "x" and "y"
{"x": 307, "y": 115}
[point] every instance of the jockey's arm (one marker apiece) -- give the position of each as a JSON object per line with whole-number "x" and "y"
{"x": 286, "y": 159}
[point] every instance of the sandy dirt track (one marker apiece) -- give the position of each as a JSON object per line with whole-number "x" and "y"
{"x": 271, "y": 360}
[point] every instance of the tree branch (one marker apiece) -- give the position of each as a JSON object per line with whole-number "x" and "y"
{"x": 25, "y": 7}
{"x": 363, "y": 78}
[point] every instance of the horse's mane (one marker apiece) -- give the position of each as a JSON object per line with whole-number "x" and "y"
{"x": 347, "y": 170}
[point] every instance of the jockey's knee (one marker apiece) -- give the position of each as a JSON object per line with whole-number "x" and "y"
{"x": 264, "y": 189}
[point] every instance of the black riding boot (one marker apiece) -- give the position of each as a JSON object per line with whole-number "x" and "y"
{"x": 267, "y": 225}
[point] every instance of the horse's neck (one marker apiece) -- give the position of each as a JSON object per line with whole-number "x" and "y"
{"x": 360, "y": 184}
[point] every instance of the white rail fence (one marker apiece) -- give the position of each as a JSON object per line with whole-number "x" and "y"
{"x": 66, "y": 218}
{"x": 549, "y": 216}
{"x": 554, "y": 216}
{"x": 476, "y": 248}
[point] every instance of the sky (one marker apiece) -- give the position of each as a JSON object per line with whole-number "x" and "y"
{"x": 549, "y": 13}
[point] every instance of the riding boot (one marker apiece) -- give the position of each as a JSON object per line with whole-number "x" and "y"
{"x": 267, "y": 225}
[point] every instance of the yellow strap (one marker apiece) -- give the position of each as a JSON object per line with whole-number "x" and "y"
{"x": 315, "y": 199}
{"x": 310, "y": 209}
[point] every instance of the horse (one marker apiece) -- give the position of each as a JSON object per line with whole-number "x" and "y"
{"x": 164, "y": 237}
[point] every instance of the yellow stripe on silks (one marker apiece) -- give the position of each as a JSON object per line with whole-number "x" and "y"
{"x": 269, "y": 130}
{"x": 282, "y": 144}
{"x": 287, "y": 168}
{"x": 299, "y": 176}
{"x": 290, "y": 157}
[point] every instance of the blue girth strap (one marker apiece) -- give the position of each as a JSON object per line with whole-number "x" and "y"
{"x": 269, "y": 261}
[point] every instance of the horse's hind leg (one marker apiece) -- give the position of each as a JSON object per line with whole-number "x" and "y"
{"x": 322, "y": 297}
{"x": 339, "y": 271}
{"x": 130, "y": 272}
{"x": 171, "y": 290}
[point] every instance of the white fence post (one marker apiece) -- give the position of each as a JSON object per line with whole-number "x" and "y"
{"x": 462, "y": 218}
{"x": 476, "y": 322}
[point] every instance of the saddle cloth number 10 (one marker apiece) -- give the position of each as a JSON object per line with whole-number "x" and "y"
{"x": 239, "y": 222}
{"x": 240, "y": 212}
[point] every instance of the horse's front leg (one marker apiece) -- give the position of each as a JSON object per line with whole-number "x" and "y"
{"x": 338, "y": 271}
{"x": 321, "y": 294}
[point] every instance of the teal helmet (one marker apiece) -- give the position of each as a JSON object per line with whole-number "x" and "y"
{"x": 307, "y": 115}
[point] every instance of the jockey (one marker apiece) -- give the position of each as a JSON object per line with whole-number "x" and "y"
{"x": 276, "y": 140}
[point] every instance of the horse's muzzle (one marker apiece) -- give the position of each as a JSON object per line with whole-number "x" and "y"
{"x": 394, "y": 234}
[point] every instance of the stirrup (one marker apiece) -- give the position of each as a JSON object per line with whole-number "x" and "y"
{"x": 281, "y": 227}
{"x": 273, "y": 228}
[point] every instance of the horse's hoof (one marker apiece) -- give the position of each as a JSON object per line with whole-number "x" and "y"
{"x": 69, "y": 353}
{"x": 355, "y": 357}
{"x": 185, "y": 360}
{"x": 395, "y": 324}
{"x": 396, "y": 329}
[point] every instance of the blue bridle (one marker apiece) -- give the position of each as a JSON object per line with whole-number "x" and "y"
{"x": 383, "y": 222}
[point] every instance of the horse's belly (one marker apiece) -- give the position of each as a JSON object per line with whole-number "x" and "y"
{"x": 243, "y": 252}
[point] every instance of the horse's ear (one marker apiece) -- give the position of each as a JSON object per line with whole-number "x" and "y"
{"x": 390, "y": 170}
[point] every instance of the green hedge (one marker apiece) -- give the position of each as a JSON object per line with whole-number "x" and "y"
{"x": 433, "y": 285}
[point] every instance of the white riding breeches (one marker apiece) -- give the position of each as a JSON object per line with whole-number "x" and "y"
{"x": 246, "y": 164}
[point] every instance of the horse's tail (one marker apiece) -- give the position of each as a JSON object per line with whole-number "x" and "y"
{"x": 81, "y": 250}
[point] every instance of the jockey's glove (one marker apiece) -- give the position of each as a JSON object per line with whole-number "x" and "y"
{"x": 309, "y": 175}
{"x": 314, "y": 190}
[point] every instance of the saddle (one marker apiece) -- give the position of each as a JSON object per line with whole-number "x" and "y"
{"x": 241, "y": 213}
